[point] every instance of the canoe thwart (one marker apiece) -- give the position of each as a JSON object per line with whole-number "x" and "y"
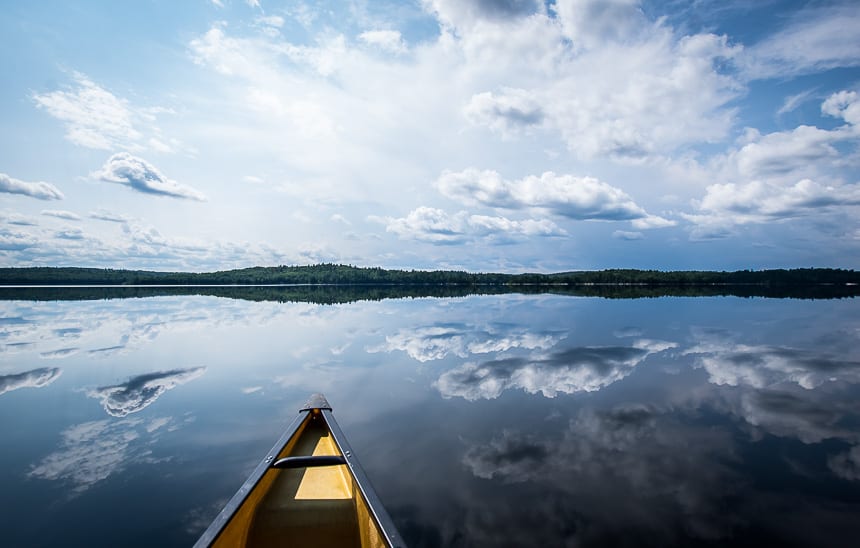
{"x": 309, "y": 461}
{"x": 316, "y": 401}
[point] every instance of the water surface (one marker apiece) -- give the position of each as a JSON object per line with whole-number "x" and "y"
{"x": 481, "y": 420}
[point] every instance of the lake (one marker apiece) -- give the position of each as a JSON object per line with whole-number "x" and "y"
{"x": 481, "y": 420}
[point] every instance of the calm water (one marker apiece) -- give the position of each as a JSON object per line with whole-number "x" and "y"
{"x": 481, "y": 420}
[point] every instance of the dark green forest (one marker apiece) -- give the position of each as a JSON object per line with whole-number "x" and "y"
{"x": 352, "y": 275}
{"x": 341, "y": 294}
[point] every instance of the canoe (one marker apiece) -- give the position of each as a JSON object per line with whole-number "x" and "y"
{"x": 309, "y": 491}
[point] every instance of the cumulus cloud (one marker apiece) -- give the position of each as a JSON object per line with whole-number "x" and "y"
{"x": 579, "y": 369}
{"x": 462, "y": 14}
{"x": 435, "y": 226}
{"x": 18, "y": 219}
{"x": 845, "y": 105}
{"x": 35, "y": 378}
{"x": 610, "y": 82}
{"x": 786, "y": 152}
{"x": 784, "y": 175}
{"x": 94, "y": 117}
{"x": 141, "y": 391}
{"x": 509, "y": 112}
{"x": 140, "y": 175}
{"x": 60, "y": 214}
{"x": 760, "y": 202}
{"x": 579, "y": 198}
{"x": 386, "y": 40}
{"x": 70, "y": 234}
{"x": 39, "y": 190}
{"x": 589, "y": 23}
{"x": 16, "y": 241}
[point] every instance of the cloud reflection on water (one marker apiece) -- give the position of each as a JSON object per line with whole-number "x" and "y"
{"x": 35, "y": 378}
{"x": 435, "y": 342}
{"x": 634, "y": 464}
{"x": 91, "y": 452}
{"x": 578, "y": 369}
{"x": 761, "y": 366}
{"x": 141, "y": 391}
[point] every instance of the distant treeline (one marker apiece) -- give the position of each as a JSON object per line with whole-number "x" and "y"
{"x": 352, "y": 275}
{"x": 341, "y": 294}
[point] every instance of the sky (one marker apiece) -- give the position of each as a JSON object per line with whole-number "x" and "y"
{"x": 483, "y": 135}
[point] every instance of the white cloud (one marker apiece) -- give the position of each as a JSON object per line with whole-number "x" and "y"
{"x": 386, "y": 40}
{"x": 60, "y": 214}
{"x": 610, "y": 82}
{"x": 110, "y": 216}
{"x": 18, "y": 219}
{"x": 272, "y": 21}
{"x": 134, "y": 245}
{"x": 338, "y": 218}
{"x": 94, "y": 117}
{"x": 70, "y": 234}
{"x": 762, "y": 202}
{"x": 591, "y": 24}
{"x": 16, "y": 241}
{"x": 786, "y": 152}
{"x": 435, "y": 226}
{"x": 579, "y": 198}
{"x": 462, "y": 14}
{"x": 39, "y": 190}
{"x": 428, "y": 225}
{"x": 845, "y": 105}
{"x": 509, "y": 112}
{"x": 815, "y": 39}
{"x": 625, "y": 235}
{"x": 784, "y": 175}
{"x": 140, "y": 175}
{"x": 792, "y": 102}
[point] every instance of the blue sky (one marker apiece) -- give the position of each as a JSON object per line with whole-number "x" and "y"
{"x": 509, "y": 135}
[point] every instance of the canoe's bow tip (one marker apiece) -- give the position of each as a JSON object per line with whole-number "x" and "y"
{"x": 316, "y": 401}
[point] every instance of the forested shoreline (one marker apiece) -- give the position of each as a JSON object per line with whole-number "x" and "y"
{"x": 337, "y": 274}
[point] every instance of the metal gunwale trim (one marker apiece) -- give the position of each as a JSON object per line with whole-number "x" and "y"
{"x": 214, "y": 530}
{"x": 316, "y": 401}
{"x": 386, "y": 525}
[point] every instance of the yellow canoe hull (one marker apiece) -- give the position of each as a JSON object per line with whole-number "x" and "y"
{"x": 294, "y": 500}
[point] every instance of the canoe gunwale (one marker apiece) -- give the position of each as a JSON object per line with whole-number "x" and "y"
{"x": 317, "y": 406}
{"x": 211, "y": 534}
{"x": 380, "y": 515}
